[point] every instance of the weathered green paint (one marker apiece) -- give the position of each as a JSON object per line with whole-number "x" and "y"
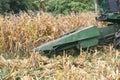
{"x": 79, "y": 35}
{"x": 88, "y": 43}
{"x": 104, "y": 5}
{"x": 81, "y": 38}
{"x": 107, "y": 33}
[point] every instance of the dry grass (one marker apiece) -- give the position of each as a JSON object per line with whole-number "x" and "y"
{"x": 100, "y": 65}
{"x": 24, "y": 31}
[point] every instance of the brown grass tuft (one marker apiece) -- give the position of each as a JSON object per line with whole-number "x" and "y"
{"x": 24, "y": 31}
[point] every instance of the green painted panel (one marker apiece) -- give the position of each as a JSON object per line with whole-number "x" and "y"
{"x": 78, "y": 35}
{"x": 81, "y": 34}
{"x": 88, "y": 43}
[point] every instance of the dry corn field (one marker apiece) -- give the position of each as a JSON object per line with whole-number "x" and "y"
{"x": 21, "y": 33}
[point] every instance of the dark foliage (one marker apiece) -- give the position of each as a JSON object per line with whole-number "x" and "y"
{"x": 16, "y": 5}
{"x": 66, "y": 6}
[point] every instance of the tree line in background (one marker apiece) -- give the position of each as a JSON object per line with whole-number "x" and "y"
{"x": 54, "y": 6}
